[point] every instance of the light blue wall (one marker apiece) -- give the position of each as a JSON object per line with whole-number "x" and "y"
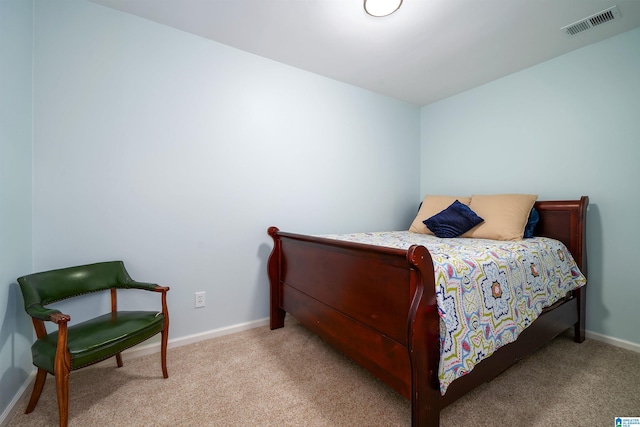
{"x": 562, "y": 129}
{"x": 176, "y": 153}
{"x": 16, "y": 29}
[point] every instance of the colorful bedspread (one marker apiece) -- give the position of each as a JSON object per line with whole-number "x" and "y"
{"x": 487, "y": 292}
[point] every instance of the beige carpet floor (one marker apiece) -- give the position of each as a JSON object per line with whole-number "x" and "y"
{"x": 289, "y": 377}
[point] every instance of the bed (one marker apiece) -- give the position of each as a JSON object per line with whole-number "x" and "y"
{"x": 378, "y": 305}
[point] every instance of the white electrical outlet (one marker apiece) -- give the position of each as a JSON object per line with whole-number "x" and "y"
{"x": 199, "y": 301}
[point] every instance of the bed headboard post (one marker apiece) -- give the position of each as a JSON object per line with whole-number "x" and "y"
{"x": 566, "y": 220}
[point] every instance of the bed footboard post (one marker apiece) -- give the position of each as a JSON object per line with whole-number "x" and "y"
{"x": 424, "y": 341}
{"x": 277, "y": 314}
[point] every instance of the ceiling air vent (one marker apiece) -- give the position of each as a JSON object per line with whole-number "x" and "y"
{"x": 592, "y": 21}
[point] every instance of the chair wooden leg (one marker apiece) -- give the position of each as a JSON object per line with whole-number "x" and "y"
{"x": 163, "y": 352}
{"x": 62, "y": 368}
{"x": 38, "y": 385}
{"x": 119, "y": 360}
{"x": 62, "y": 390}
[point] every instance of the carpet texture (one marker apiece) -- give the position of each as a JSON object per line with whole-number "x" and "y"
{"x": 289, "y": 377}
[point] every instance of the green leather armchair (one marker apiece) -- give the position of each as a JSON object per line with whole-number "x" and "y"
{"x": 76, "y": 346}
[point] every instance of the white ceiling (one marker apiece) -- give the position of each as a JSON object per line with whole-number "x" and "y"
{"x": 428, "y": 50}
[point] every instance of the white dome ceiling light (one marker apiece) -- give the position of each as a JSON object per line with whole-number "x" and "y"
{"x": 381, "y": 7}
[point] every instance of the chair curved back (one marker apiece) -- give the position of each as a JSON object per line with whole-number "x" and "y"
{"x": 56, "y": 285}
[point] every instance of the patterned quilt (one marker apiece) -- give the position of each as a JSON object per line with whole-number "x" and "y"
{"x": 487, "y": 292}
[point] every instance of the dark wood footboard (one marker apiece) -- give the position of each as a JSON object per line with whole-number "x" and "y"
{"x": 378, "y": 306}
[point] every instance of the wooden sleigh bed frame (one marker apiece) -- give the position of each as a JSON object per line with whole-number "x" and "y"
{"x": 377, "y": 305}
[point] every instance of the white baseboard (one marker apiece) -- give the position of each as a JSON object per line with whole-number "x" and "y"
{"x": 8, "y": 413}
{"x": 144, "y": 349}
{"x": 137, "y": 351}
{"x": 613, "y": 341}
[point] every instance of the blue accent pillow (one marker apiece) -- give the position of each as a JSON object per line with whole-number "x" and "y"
{"x": 455, "y": 220}
{"x": 534, "y": 217}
